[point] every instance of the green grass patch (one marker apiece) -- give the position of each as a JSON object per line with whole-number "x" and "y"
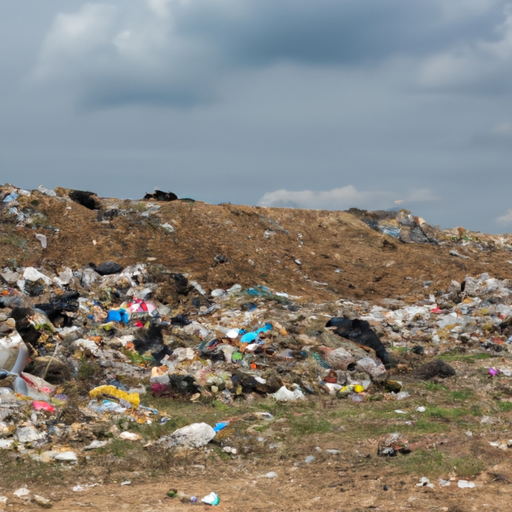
{"x": 424, "y": 426}
{"x": 432, "y": 387}
{"x": 467, "y": 358}
{"x": 309, "y": 424}
{"x": 27, "y": 471}
{"x": 453, "y": 414}
{"x": 461, "y": 395}
{"x": 435, "y": 463}
{"x": 505, "y": 406}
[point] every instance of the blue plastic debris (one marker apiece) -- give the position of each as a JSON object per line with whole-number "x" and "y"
{"x": 118, "y": 315}
{"x": 11, "y": 197}
{"x": 220, "y": 426}
{"x": 267, "y": 327}
{"x": 259, "y": 291}
{"x": 390, "y": 230}
{"x": 252, "y": 336}
{"x": 249, "y": 337}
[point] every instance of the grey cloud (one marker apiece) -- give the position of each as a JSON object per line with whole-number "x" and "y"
{"x": 291, "y": 118}
{"x": 178, "y": 52}
{"x": 479, "y": 66}
{"x": 334, "y": 31}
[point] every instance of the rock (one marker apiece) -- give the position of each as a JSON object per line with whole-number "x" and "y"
{"x": 67, "y": 457}
{"x": 338, "y": 358}
{"x": 48, "y": 456}
{"x": 271, "y": 474}
{"x": 375, "y": 369}
{"x": 41, "y": 501}
{"x": 95, "y": 445}
{"x": 195, "y": 435}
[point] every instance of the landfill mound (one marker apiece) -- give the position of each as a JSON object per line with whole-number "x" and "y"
{"x": 141, "y": 337}
{"x": 317, "y": 254}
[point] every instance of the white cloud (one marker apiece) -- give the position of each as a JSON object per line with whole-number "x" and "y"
{"x": 480, "y": 63}
{"x": 75, "y": 37}
{"x": 342, "y": 198}
{"x": 338, "y": 198}
{"x": 506, "y": 218}
{"x": 112, "y": 55}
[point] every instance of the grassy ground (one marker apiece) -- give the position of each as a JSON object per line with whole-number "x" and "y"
{"x": 446, "y": 436}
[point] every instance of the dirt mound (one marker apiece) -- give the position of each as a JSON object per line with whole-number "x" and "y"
{"x": 317, "y": 254}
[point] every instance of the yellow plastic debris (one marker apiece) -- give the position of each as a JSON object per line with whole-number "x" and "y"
{"x": 112, "y": 392}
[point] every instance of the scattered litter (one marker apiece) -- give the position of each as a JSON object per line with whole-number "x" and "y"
{"x": 22, "y": 492}
{"x": 130, "y": 436}
{"x": 285, "y": 395}
{"x": 425, "y": 482}
{"x": 191, "y": 436}
{"x": 211, "y": 499}
{"x": 464, "y": 484}
{"x": 42, "y": 239}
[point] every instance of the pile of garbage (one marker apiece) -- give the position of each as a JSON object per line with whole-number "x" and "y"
{"x": 139, "y": 330}
{"x": 401, "y": 224}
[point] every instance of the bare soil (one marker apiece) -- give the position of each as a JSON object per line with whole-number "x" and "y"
{"x": 339, "y": 255}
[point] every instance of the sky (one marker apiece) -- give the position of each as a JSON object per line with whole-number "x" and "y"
{"x": 325, "y": 104}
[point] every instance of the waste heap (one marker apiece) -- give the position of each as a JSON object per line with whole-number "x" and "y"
{"x": 169, "y": 337}
{"x": 82, "y": 346}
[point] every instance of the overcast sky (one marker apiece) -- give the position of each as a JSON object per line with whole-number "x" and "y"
{"x": 315, "y": 104}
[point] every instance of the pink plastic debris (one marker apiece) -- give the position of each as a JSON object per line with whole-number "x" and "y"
{"x": 42, "y": 406}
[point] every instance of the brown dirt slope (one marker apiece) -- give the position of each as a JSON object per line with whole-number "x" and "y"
{"x": 316, "y": 254}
